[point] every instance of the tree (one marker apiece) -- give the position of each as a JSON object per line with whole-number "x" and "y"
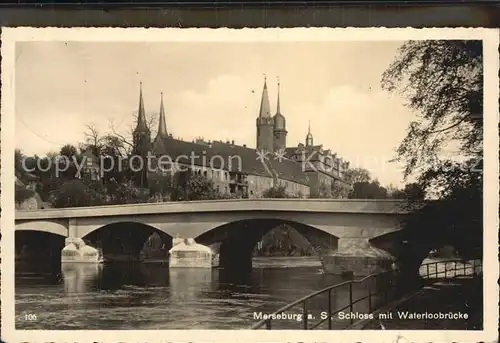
{"x": 392, "y": 191}
{"x": 51, "y": 155}
{"x": 160, "y": 187}
{"x": 355, "y": 175}
{"x": 125, "y": 192}
{"x": 124, "y": 140}
{"x": 189, "y": 186}
{"x": 368, "y": 190}
{"x": 22, "y": 193}
{"x": 75, "y": 193}
{"x": 68, "y": 150}
{"x": 339, "y": 190}
{"x": 411, "y": 191}
{"x": 443, "y": 82}
{"x": 18, "y": 161}
{"x": 93, "y": 140}
{"x": 323, "y": 192}
{"x": 275, "y": 192}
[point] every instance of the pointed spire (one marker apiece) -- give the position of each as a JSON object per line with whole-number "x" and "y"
{"x": 265, "y": 108}
{"x": 309, "y": 137}
{"x": 141, "y": 115}
{"x": 162, "y": 125}
{"x": 278, "y": 109}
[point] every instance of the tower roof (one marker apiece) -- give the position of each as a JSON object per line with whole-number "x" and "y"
{"x": 162, "y": 123}
{"x": 278, "y": 108}
{"x": 265, "y": 108}
{"x": 141, "y": 115}
{"x": 309, "y": 136}
{"x": 279, "y": 119}
{"x": 309, "y": 130}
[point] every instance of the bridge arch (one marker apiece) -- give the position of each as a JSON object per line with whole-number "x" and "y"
{"x": 236, "y": 240}
{"x": 43, "y": 226}
{"x": 38, "y": 247}
{"x": 124, "y": 240}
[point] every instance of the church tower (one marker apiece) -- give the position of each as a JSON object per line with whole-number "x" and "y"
{"x": 158, "y": 145}
{"x": 309, "y": 137}
{"x": 265, "y": 125}
{"x": 142, "y": 144}
{"x": 279, "y": 127}
{"x": 162, "y": 125}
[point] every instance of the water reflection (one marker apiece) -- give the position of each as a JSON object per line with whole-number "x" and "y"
{"x": 153, "y": 296}
{"x": 155, "y": 274}
{"x": 80, "y": 277}
{"x": 187, "y": 284}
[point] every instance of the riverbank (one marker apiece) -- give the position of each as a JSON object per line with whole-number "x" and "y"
{"x": 257, "y": 262}
{"x": 286, "y": 262}
{"x": 268, "y": 262}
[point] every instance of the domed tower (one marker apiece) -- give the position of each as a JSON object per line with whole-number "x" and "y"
{"x": 142, "y": 143}
{"x": 265, "y": 124}
{"x": 279, "y": 126}
{"x": 309, "y": 137}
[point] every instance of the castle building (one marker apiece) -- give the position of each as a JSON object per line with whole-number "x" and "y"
{"x": 304, "y": 170}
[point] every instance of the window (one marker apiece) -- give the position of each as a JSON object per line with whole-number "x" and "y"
{"x": 217, "y": 188}
{"x": 205, "y": 173}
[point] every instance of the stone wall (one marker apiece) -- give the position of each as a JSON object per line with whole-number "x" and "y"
{"x": 355, "y": 265}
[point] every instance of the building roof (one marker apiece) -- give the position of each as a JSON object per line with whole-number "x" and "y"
{"x": 308, "y": 150}
{"x": 289, "y": 170}
{"x": 162, "y": 124}
{"x": 279, "y": 122}
{"x": 141, "y": 115}
{"x": 279, "y": 118}
{"x": 91, "y": 160}
{"x": 265, "y": 107}
{"x": 223, "y": 154}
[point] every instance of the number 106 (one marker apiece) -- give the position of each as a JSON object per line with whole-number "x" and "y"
{"x": 30, "y": 316}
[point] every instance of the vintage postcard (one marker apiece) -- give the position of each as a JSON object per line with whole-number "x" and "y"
{"x": 255, "y": 185}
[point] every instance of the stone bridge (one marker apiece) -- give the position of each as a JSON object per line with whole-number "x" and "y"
{"x": 350, "y": 235}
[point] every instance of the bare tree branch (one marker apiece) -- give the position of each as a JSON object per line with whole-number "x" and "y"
{"x": 449, "y": 127}
{"x": 122, "y": 138}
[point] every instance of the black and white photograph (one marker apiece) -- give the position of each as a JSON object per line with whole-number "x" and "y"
{"x": 266, "y": 181}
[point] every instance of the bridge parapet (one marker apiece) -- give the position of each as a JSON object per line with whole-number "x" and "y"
{"x": 375, "y": 206}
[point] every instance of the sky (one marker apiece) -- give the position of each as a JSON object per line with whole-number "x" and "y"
{"x": 213, "y": 90}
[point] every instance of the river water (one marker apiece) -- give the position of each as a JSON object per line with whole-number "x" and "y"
{"x": 152, "y": 296}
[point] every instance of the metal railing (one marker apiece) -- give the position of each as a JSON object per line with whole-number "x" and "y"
{"x": 376, "y": 295}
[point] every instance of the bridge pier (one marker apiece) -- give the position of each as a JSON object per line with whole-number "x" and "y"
{"x": 358, "y": 257}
